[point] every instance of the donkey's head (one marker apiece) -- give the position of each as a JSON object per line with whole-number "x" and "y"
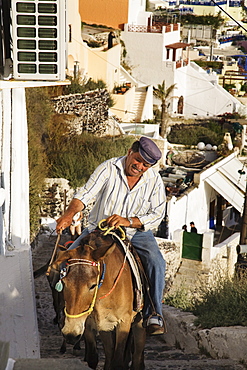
{"x": 79, "y": 274}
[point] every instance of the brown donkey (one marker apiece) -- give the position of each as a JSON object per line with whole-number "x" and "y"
{"x": 97, "y": 287}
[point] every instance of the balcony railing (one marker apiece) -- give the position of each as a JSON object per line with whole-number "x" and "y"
{"x": 144, "y": 29}
{"x": 182, "y": 63}
{"x": 203, "y": 2}
{"x": 155, "y": 28}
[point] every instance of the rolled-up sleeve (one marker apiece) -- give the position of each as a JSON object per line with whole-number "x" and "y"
{"x": 153, "y": 217}
{"x": 93, "y": 186}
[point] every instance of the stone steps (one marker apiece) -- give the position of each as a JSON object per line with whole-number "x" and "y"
{"x": 218, "y": 343}
{"x": 138, "y": 104}
{"x": 169, "y": 359}
{"x": 50, "y": 364}
{"x": 196, "y": 365}
{"x": 158, "y": 355}
{"x": 191, "y": 273}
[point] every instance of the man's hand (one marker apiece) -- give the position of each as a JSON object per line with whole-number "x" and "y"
{"x": 116, "y": 220}
{"x": 63, "y": 222}
{"x": 66, "y": 219}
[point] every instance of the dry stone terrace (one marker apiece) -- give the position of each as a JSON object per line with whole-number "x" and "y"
{"x": 89, "y": 110}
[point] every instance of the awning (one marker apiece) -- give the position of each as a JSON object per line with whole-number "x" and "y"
{"x": 177, "y": 45}
{"x": 227, "y": 189}
{"x": 230, "y": 170}
{"x": 229, "y": 183}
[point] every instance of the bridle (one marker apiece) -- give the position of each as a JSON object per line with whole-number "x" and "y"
{"x": 81, "y": 261}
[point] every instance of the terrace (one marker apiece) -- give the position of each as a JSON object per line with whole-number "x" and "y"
{"x": 156, "y": 27}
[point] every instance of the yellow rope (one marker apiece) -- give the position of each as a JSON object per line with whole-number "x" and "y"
{"x": 109, "y": 229}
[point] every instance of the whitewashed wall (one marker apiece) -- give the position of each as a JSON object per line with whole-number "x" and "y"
{"x": 18, "y": 324}
{"x": 77, "y": 49}
{"x": 192, "y": 206}
{"x": 202, "y": 95}
{"x": 136, "y": 12}
{"x": 146, "y": 55}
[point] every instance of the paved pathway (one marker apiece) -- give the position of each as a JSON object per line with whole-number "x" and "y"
{"x": 157, "y": 354}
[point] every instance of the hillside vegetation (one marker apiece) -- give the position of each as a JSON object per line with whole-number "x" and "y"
{"x": 209, "y": 131}
{"x": 223, "y": 304}
{"x": 55, "y": 152}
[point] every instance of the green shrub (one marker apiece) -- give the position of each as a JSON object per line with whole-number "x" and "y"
{"x": 224, "y": 304}
{"x": 206, "y": 64}
{"x": 229, "y": 87}
{"x": 181, "y": 298}
{"x": 214, "y": 20}
{"x": 80, "y": 85}
{"x": 39, "y": 113}
{"x": 94, "y": 43}
{"x": 192, "y": 135}
{"x": 54, "y": 152}
{"x": 79, "y": 155}
{"x": 149, "y": 121}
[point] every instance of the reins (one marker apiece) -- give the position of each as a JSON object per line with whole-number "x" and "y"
{"x": 116, "y": 281}
{"x": 53, "y": 254}
{"x": 108, "y": 230}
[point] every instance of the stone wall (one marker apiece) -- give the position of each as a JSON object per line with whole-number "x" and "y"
{"x": 56, "y": 195}
{"x": 219, "y": 342}
{"x": 171, "y": 254}
{"x": 89, "y": 111}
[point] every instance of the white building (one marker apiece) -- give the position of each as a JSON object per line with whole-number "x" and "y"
{"x": 229, "y": 9}
{"x": 157, "y": 54}
{"x": 218, "y": 185}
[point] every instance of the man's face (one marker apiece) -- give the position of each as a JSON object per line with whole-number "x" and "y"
{"x": 135, "y": 164}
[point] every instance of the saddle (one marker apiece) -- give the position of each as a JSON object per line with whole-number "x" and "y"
{"x": 140, "y": 280}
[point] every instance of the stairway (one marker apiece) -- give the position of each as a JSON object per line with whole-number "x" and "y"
{"x": 158, "y": 354}
{"x": 122, "y": 79}
{"x": 140, "y": 96}
{"x": 191, "y": 275}
{"x": 137, "y": 109}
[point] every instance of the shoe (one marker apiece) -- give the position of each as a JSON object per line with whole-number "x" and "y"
{"x": 155, "y": 325}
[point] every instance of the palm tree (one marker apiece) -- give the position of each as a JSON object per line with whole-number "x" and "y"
{"x": 165, "y": 96}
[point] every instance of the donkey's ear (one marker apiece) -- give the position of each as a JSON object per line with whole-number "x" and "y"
{"x": 102, "y": 252}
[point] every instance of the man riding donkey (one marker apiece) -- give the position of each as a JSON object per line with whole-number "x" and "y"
{"x": 129, "y": 192}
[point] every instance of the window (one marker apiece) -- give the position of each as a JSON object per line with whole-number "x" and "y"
{"x": 70, "y": 33}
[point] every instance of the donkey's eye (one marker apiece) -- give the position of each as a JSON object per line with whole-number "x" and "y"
{"x": 93, "y": 286}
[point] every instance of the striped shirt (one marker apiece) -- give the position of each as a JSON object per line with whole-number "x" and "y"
{"x": 108, "y": 186}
